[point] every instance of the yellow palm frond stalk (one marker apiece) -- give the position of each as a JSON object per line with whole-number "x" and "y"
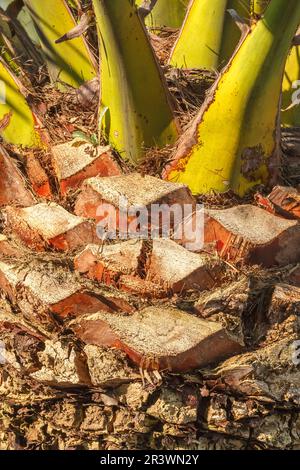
{"x": 209, "y": 35}
{"x": 69, "y": 62}
{"x": 290, "y": 117}
{"x": 18, "y": 124}
{"x": 233, "y": 142}
{"x": 169, "y": 13}
{"x": 133, "y": 90}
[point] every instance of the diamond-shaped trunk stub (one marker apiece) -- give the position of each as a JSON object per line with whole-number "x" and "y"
{"x": 177, "y": 269}
{"x": 252, "y": 234}
{"x": 76, "y": 161}
{"x": 46, "y": 292}
{"x": 121, "y": 265}
{"x": 151, "y": 268}
{"x": 50, "y": 225}
{"x": 13, "y": 188}
{"x": 158, "y": 338}
{"x": 133, "y": 190}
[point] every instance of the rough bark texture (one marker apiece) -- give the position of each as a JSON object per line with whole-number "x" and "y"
{"x": 96, "y": 352}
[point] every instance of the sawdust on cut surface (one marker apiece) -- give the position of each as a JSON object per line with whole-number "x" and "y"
{"x": 245, "y": 219}
{"x": 159, "y": 331}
